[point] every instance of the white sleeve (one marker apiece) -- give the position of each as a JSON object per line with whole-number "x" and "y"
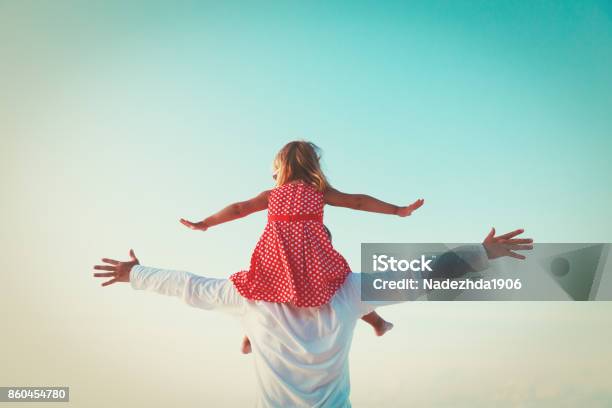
{"x": 452, "y": 264}
{"x": 197, "y": 291}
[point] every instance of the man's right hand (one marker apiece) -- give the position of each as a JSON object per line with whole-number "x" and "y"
{"x": 120, "y": 271}
{"x": 506, "y": 244}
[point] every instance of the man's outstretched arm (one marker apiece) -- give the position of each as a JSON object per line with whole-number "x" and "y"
{"x": 197, "y": 291}
{"x": 452, "y": 264}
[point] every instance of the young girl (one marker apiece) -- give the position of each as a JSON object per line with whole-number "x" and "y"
{"x": 294, "y": 261}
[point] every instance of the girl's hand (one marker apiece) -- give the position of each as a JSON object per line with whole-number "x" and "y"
{"x": 201, "y": 226}
{"x": 406, "y": 211}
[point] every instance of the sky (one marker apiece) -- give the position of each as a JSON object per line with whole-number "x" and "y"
{"x": 119, "y": 118}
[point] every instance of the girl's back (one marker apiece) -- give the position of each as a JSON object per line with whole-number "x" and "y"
{"x": 295, "y": 198}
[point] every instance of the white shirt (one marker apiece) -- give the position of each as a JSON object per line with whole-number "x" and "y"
{"x": 300, "y": 354}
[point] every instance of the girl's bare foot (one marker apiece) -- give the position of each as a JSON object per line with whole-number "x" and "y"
{"x": 383, "y": 327}
{"x": 246, "y": 345}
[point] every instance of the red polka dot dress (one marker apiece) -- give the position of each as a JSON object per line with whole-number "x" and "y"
{"x": 294, "y": 261}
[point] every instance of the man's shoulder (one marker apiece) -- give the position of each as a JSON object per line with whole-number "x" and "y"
{"x": 349, "y": 284}
{"x": 350, "y": 291}
{"x": 348, "y": 297}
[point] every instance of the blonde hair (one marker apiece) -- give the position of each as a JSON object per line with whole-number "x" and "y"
{"x": 299, "y": 160}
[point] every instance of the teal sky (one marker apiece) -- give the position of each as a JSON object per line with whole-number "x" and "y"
{"x": 117, "y": 119}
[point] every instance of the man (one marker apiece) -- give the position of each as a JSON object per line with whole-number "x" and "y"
{"x": 301, "y": 354}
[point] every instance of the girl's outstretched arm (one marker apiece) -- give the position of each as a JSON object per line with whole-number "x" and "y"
{"x": 365, "y": 202}
{"x": 231, "y": 212}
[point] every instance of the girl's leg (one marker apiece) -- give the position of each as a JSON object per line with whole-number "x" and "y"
{"x": 246, "y": 345}
{"x": 380, "y": 325}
